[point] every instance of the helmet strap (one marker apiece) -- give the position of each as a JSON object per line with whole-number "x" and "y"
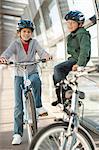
{"x": 80, "y": 24}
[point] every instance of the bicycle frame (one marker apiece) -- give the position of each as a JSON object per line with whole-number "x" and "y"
{"x": 73, "y": 120}
{"x": 25, "y": 88}
{"x": 66, "y": 133}
{"x": 29, "y": 108}
{"x": 73, "y": 123}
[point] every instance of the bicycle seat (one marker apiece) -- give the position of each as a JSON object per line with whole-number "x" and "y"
{"x": 68, "y": 94}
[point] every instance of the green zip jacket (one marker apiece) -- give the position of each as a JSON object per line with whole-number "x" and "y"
{"x": 79, "y": 46}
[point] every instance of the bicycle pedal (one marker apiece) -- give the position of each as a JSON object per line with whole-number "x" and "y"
{"x": 67, "y": 111}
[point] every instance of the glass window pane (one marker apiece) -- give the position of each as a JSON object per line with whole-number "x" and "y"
{"x": 82, "y": 5}
{"x": 46, "y": 13}
{"x": 37, "y": 21}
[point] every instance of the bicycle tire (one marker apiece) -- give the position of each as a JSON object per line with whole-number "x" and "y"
{"x": 48, "y": 138}
{"x": 32, "y": 112}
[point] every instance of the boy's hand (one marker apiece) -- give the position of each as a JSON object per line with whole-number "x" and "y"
{"x": 3, "y": 60}
{"x": 48, "y": 57}
{"x": 74, "y": 68}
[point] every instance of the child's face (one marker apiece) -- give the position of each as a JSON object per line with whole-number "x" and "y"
{"x": 25, "y": 34}
{"x": 72, "y": 25}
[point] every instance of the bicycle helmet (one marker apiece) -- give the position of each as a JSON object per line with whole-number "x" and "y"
{"x": 25, "y": 24}
{"x": 76, "y": 16}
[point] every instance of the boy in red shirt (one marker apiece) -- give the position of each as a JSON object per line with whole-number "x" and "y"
{"x": 24, "y": 49}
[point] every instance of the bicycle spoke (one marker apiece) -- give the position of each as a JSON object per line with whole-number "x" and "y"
{"x": 53, "y": 137}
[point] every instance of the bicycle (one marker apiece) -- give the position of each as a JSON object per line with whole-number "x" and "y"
{"x": 29, "y": 108}
{"x": 66, "y": 133}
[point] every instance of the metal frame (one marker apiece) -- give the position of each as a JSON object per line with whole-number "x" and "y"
{"x": 97, "y": 20}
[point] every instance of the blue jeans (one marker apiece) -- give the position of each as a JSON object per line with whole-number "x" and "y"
{"x": 61, "y": 70}
{"x": 18, "y": 110}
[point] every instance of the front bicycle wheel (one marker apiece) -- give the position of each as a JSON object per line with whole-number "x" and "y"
{"x": 32, "y": 122}
{"x": 53, "y": 136}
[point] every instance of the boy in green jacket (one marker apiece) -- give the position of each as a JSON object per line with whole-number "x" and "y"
{"x": 78, "y": 47}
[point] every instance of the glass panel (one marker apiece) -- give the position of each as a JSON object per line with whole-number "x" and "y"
{"x": 46, "y": 13}
{"x": 37, "y": 22}
{"x": 84, "y": 6}
{"x": 94, "y": 46}
{"x": 52, "y": 20}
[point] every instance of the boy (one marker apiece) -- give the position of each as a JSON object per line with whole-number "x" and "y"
{"x": 25, "y": 49}
{"x": 78, "y": 47}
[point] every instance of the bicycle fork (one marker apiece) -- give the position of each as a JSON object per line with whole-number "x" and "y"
{"x": 70, "y": 135}
{"x": 25, "y": 89}
{"x": 27, "y": 119}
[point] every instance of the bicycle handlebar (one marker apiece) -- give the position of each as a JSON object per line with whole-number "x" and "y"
{"x": 74, "y": 75}
{"x": 87, "y": 71}
{"x": 25, "y": 63}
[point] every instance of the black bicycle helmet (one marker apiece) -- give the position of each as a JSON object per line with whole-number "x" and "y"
{"x": 25, "y": 24}
{"x": 76, "y": 16}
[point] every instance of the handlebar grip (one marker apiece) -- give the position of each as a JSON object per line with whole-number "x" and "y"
{"x": 43, "y": 60}
{"x": 10, "y": 63}
{"x": 96, "y": 68}
{"x": 51, "y": 58}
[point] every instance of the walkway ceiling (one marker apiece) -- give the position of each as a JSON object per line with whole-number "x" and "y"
{"x": 10, "y": 13}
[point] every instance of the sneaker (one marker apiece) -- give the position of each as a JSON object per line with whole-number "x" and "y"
{"x": 17, "y": 139}
{"x": 55, "y": 103}
{"x": 41, "y": 111}
{"x": 58, "y": 101}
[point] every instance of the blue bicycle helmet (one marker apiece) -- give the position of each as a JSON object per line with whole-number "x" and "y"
{"x": 25, "y": 24}
{"x": 76, "y": 16}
